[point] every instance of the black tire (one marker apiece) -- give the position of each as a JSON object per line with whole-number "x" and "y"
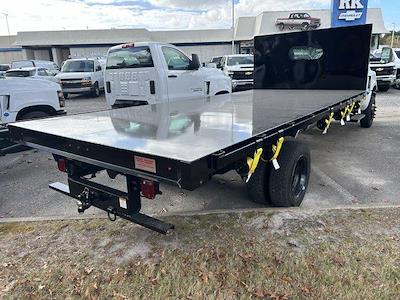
{"x": 369, "y": 113}
{"x": 34, "y": 115}
{"x": 383, "y": 88}
{"x": 305, "y": 26}
{"x": 96, "y": 90}
{"x": 270, "y": 186}
{"x": 221, "y": 93}
{"x": 65, "y": 95}
{"x": 257, "y": 187}
{"x": 288, "y": 185}
{"x": 281, "y": 26}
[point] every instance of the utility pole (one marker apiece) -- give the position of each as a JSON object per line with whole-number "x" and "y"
{"x": 233, "y": 26}
{"x": 394, "y": 28}
{"x": 8, "y": 27}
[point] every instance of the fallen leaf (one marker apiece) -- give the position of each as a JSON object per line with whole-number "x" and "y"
{"x": 204, "y": 277}
{"x": 338, "y": 260}
{"x": 246, "y": 256}
{"x": 9, "y": 286}
{"x": 306, "y": 290}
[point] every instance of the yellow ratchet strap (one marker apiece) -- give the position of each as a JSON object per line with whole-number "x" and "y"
{"x": 351, "y": 108}
{"x": 253, "y": 162}
{"x": 277, "y": 150}
{"x": 344, "y": 114}
{"x": 328, "y": 122}
{"x": 359, "y": 104}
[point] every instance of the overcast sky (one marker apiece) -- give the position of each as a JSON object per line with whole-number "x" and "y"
{"x": 29, "y": 15}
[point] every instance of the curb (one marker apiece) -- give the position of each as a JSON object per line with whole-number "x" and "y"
{"x": 201, "y": 213}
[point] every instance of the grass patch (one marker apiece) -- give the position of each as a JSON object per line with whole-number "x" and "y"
{"x": 350, "y": 254}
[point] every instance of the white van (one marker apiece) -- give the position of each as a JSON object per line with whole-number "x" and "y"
{"x": 147, "y": 73}
{"x": 82, "y": 75}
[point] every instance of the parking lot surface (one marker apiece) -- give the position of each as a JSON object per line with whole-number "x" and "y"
{"x": 350, "y": 166}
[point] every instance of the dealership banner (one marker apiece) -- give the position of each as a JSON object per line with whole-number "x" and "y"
{"x": 349, "y": 12}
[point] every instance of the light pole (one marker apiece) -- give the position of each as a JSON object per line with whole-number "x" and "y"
{"x": 8, "y": 27}
{"x": 233, "y": 26}
{"x": 394, "y": 28}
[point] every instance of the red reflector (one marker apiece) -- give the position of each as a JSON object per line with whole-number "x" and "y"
{"x": 149, "y": 188}
{"x": 62, "y": 165}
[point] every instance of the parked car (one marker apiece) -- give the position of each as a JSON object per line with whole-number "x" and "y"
{"x": 301, "y": 21}
{"x": 240, "y": 68}
{"x": 3, "y": 69}
{"x": 144, "y": 73}
{"x": 31, "y": 72}
{"x": 51, "y": 67}
{"x": 81, "y": 75}
{"x": 383, "y": 64}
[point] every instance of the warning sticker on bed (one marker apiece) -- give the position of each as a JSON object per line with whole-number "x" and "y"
{"x": 145, "y": 164}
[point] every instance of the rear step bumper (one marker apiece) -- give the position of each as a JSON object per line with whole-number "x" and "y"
{"x": 114, "y": 202}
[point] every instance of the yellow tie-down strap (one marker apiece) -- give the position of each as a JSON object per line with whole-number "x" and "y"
{"x": 344, "y": 113}
{"x": 253, "y": 162}
{"x": 277, "y": 150}
{"x": 328, "y": 122}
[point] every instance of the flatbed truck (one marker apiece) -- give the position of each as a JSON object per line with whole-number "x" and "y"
{"x": 301, "y": 80}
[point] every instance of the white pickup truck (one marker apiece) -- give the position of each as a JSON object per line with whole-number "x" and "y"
{"x": 240, "y": 68}
{"x": 148, "y": 73}
{"x": 26, "y": 98}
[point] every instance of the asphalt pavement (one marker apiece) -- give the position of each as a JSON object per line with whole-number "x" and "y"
{"x": 351, "y": 166}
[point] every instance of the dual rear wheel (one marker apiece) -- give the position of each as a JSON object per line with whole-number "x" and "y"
{"x": 286, "y": 186}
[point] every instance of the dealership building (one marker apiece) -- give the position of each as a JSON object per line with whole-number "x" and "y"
{"x": 61, "y": 45}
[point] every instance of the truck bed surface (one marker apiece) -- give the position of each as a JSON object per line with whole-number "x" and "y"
{"x": 184, "y": 130}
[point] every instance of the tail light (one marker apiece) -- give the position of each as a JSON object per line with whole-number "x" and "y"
{"x": 62, "y": 165}
{"x": 61, "y": 98}
{"x": 149, "y": 188}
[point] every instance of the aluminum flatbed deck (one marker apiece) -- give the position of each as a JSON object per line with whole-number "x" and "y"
{"x": 301, "y": 79}
{"x": 178, "y": 133}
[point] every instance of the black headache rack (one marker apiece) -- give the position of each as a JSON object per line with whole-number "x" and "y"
{"x": 270, "y": 109}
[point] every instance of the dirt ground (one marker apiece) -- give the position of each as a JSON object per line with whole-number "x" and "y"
{"x": 275, "y": 254}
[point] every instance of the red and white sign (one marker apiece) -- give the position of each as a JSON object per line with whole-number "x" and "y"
{"x": 145, "y": 164}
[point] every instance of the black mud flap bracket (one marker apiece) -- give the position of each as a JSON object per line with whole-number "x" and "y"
{"x": 114, "y": 202}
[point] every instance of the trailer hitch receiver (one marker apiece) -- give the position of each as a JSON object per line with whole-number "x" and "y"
{"x": 83, "y": 200}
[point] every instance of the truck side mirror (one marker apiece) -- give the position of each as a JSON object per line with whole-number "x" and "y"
{"x": 195, "y": 62}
